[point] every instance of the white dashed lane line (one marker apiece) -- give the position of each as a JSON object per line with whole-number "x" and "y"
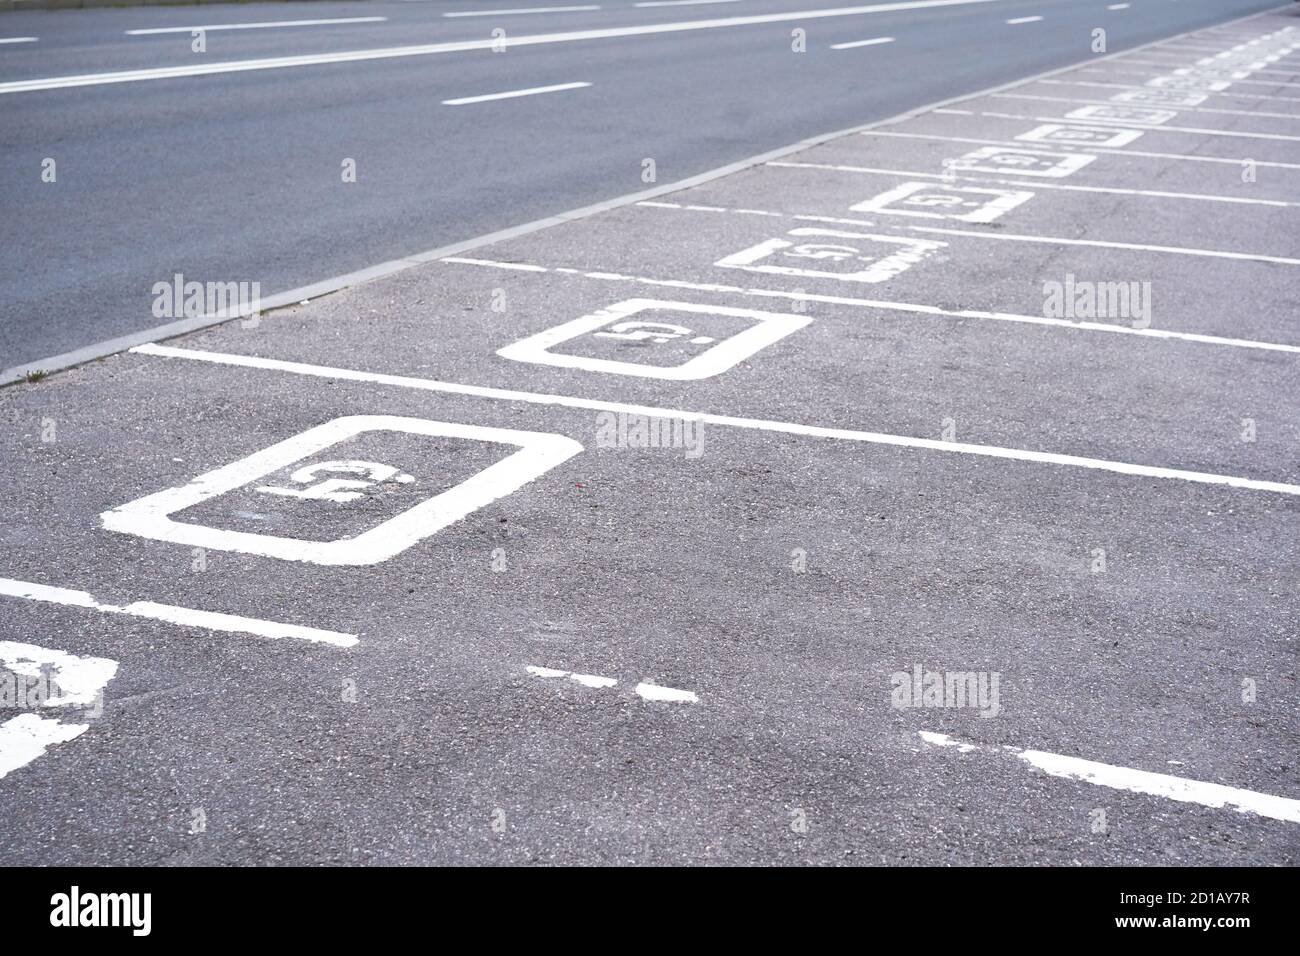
{"x": 18, "y": 39}
{"x": 874, "y": 41}
{"x": 183, "y": 616}
{"x": 1019, "y": 20}
{"x": 513, "y": 94}
{"x": 645, "y": 690}
{"x": 516, "y": 11}
{"x": 1213, "y": 795}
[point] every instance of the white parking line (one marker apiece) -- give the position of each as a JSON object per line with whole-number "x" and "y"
{"x": 430, "y": 49}
{"x": 1091, "y": 149}
{"x": 1166, "y": 106}
{"x": 1213, "y": 795}
{"x": 912, "y": 308}
{"x": 1127, "y": 124}
{"x": 1023, "y": 20}
{"x": 512, "y": 94}
{"x": 254, "y": 26}
{"x": 517, "y": 10}
{"x": 874, "y": 41}
{"x": 1114, "y": 190}
{"x": 184, "y": 616}
{"x": 758, "y": 424}
{"x": 1130, "y": 86}
{"x": 1045, "y": 240}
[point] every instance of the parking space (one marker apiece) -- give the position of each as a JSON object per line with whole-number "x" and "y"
{"x": 620, "y": 533}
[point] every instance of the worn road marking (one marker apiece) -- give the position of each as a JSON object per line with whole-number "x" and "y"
{"x": 731, "y": 421}
{"x": 645, "y": 690}
{"x": 184, "y": 616}
{"x": 1213, "y": 795}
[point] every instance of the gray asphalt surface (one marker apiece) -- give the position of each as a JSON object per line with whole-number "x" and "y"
{"x": 236, "y": 177}
{"x": 430, "y": 741}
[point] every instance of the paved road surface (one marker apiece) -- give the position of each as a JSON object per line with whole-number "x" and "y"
{"x": 398, "y": 576}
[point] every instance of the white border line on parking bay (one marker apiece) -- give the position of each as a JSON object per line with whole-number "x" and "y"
{"x": 346, "y": 280}
{"x": 1161, "y": 106}
{"x": 183, "y": 616}
{"x": 1126, "y": 124}
{"x": 207, "y": 27}
{"x": 912, "y": 308}
{"x": 1213, "y": 795}
{"x": 1022, "y": 144}
{"x": 1001, "y": 236}
{"x": 1066, "y": 187}
{"x": 1130, "y": 86}
{"x": 731, "y": 421}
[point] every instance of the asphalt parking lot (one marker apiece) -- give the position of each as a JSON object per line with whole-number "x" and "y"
{"x": 634, "y": 519}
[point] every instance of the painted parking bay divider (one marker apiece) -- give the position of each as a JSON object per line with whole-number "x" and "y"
{"x": 153, "y": 516}
{"x": 624, "y": 326}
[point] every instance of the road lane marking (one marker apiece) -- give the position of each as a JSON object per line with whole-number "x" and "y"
{"x": 680, "y": 3}
{"x": 874, "y": 41}
{"x": 1118, "y": 6}
{"x": 512, "y": 94}
{"x": 586, "y": 680}
{"x": 18, "y": 39}
{"x": 887, "y": 306}
{"x": 253, "y": 26}
{"x": 1096, "y": 149}
{"x": 1146, "y": 127}
{"x": 1213, "y": 795}
{"x": 183, "y": 616}
{"x": 730, "y": 421}
{"x": 536, "y": 454}
{"x": 1068, "y": 187}
{"x": 668, "y": 695}
{"x": 429, "y": 49}
{"x": 619, "y": 322}
{"x": 1023, "y": 20}
{"x": 517, "y": 10}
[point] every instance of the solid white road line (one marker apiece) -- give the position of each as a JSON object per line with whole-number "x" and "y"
{"x": 1114, "y": 190}
{"x": 1016, "y": 237}
{"x": 681, "y": 3}
{"x": 1126, "y": 124}
{"x": 1024, "y": 20}
{"x": 18, "y": 39}
{"x": 511, "y": 94}
{"x": 184, "y": 616}
{"x": 429, "y": 49}
{"x": 1163, "y": 106}
{"x": 253, "y": 26}
{"x": 759, "y": 424}
{"x": 857, "y": 43}
{"x": 1213, "y": 795}
{"x": 518, "y": 10}
{"x": 911, "y": 308}
{"x": 1144, "y": 154}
